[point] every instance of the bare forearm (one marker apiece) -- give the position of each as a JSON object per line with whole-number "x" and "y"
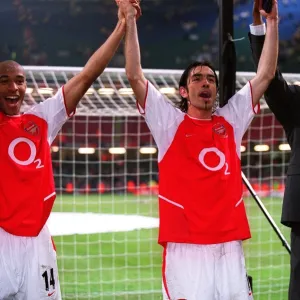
{"x": 78, "y": 85}
{"x": 268, "y": 60}
{"x": 100, "y": 59}
{"x": 132, "y": 50}
{"x": 134, "y": 70}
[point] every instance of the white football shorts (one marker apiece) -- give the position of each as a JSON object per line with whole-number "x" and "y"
{"x": 28, "y": 267}
{"x": 205, "y": 272}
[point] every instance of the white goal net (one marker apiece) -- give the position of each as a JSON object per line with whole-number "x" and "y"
{"x": 105, "y": 218}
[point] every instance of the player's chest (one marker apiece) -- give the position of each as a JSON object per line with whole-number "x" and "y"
{"x": 209, "y": 146}
{"x": 21, "y": 139}
{"x": 193, "y": 138}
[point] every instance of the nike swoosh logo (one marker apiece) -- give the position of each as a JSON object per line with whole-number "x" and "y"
{"x": 189, "y": 135}
{"x": 50, "y": 294}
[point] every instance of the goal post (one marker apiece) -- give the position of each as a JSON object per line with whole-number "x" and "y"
{"x": 105, "y": 219}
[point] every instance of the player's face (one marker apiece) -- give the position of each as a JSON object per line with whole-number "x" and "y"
{"x": 201, "y": 89}
{"x": 12, "y": 88}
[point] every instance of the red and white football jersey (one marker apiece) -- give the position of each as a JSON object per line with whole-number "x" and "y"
{"x": 27, "y": 191}
{"x": 200, "y": 185}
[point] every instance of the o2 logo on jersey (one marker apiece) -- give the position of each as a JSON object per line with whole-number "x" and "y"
{"x": 222, "y": 160}
{"x": 31, "y": 159}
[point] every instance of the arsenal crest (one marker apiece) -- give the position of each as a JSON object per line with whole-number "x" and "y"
{"x": 32, "y": 128}
{"x": 220, "y": 129}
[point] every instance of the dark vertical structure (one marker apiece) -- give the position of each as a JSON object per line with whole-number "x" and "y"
{"x": 227, "y": 58}
{"x": 227, "y": 55}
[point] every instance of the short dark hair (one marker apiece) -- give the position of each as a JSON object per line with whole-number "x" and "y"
{"x": 183, "y": 104}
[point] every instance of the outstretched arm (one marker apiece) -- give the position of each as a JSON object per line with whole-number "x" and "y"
{"x": 132, "y": 53}
{"x": 268, "y": 59}
{"x": 280, "y": 97}
{"x": 75, "y": 88}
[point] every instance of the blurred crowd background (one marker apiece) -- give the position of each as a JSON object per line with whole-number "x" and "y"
{"x": 171, "y": 32}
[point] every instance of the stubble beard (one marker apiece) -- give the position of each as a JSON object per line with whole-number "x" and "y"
{"x": 207, "y": 106}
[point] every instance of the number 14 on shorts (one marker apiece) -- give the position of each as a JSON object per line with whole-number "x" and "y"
{"x": 49, "y": 279}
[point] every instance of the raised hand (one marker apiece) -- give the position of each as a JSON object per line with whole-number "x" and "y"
{"x": 137, "y": 5}
{"x": 274, "y": 12}
{"x": 129, "y": 8}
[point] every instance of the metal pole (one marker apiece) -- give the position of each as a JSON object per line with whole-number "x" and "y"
{"x": 266, "y": 213}
{"x": 226, "y": 72}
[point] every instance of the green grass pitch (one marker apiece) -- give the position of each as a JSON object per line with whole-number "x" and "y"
{"x": 127, "y": 265}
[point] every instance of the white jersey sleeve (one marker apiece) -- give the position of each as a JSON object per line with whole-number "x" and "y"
{"x": 53, "y": 111}
{"x": 239, "y": 112}
{"x": 161, "y": 117}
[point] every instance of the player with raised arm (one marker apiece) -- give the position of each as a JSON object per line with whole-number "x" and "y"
{"x": 28, "y": 267}
{"x": 202, "y": 215}
{"x": 283, "y": 100}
